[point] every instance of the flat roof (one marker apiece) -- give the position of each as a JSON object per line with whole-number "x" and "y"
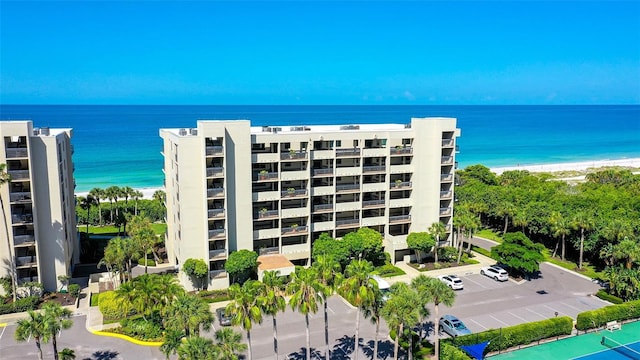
{"x": 273, "y": 262}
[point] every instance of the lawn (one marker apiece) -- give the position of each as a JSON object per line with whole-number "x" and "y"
{"x": 158, "y": 228}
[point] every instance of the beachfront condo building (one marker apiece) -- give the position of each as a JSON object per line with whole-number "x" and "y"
{"x": 275, "y": 189}
{"x": 38, "y": 219}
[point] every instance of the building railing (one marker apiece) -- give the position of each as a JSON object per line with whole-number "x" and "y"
{"x": 265, "y": 214}
{"x": 445, "y": 211}
{"x": 318, "y": 172}
{"x": 347, "y": 152}
{"x": 293, "y": 155}
{"x": 21, "y": 218}
{"x": 220, "y": 253}
{"x": 370, "y": 169}
{"x": 322, "y": 207}
{"x": 215, "y": 171}
{"x": 19, "y": 174}
{"x": 216, "y": 234}
{"x": 347, "y": 222}
{"x": 401, "y": 151}
{"x": 217, "y": 274}
{"x": 269, "y": 251}
{"x": 400, "y": 185}
{"x": 25, "y": 260}
{"x": 16, "y": 152}
{"x": 296, "y": 192}
{"x": 24, "y": 239}
{"x": 294, "y": 230}
{"x": 24, "y": 280}
{"x": 399, "y": 218}
{"x": 20, "y": 196}
{"x": 215, "y": 213}
{"x": 214, "y": 150}
{"x": 372, "y": 203}
{"x": 217, "y": 192}
{"x": 447, "y": 160}
{"x": 347, "y": 187}
{"x": 447, "y": 142}
{"x": 267, "y": 176}
{"x": 446, "y": 194}
{"x": 446, "y": 177}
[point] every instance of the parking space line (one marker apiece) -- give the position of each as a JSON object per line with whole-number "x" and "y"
{"x": 477, "y": 323}
{"x": 475, "y": 282}
{"x": 330, "y": 309}
{"x": 498, "y": 320}
{"x": 573, "y": 307}
{"x": 514, "y": 315}
{"x": 554, "y": 310}
{"x": 542, "y": 316}
{"x": 2, "y": 333}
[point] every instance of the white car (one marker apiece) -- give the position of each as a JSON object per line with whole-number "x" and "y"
{"x": 452, "y": 281}
{"x": 495, "y": 272}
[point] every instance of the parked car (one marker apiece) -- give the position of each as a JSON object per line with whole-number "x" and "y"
{"x": 453, "y": 326}
{"x": 495, "y": 272}
{"x": 225, "y": 320}
{"x": 452, "y": 281}
{"x": 383, "y": 285}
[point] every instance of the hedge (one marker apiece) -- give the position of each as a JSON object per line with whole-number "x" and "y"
{"x": 211, "y": 296}
{"x": 608, "y": 297}
{"x": 111, "y": 308}
{"x": 450, "y": 352}
{"x": 599, "y": 317}
{"x": 522, "y": 334}
{"x": 20, "y": 305}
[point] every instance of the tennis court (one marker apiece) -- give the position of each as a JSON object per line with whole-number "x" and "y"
{"x": 621, "y": 344}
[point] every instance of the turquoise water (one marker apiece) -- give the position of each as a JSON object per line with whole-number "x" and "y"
{"x": 120, "y": 145}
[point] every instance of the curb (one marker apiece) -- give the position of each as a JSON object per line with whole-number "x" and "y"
{"x": 127, "y": 338}
{"x": 569, "y": 271}
{"x": 3, "y": 324}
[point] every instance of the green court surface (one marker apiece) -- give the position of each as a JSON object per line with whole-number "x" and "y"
{"x": 576, "y": 346}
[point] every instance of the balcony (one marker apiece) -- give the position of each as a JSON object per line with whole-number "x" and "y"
{"x": 217, "y": 274}
{"x": 322, "y": 208}
{"x": 25, "y": 261}
{"x": 219, "y": 254}
{"x": 399, "y": 219}
{"x": 296, "y": 248}
{"x": 322, "y": 172}
{"x": 372, "y": 204}
{"x": 217, "y": 234}
{"x": 215, "y": 193}
{"x": 294, "y": 193}
{"x": 19, "y": 175}
{"x": 401, "y": 151}
{"x": 215, "y": 213}
{"x": 447, "y": 160}
{"x": 215, "y": 172}
{"x": 214, "y": 150}
{"x": 374, "y": 169}
{"x": 20, "y": 197}
{"x": 347, "y": 152}
{"x": 294, "y": 230}
{"x": 347, "y": 223}
{"x": 444, "y": 195}
{"x": 447, "y": 142}
{"x": 294, "y": 155}
{"x": 445, "y": 211}
{"x": 401, "y": 185}
{"x": 269, "y": 251}
{"x": 13, "y": 153}
{"x": 446, "y": 178}
{"x": 347, "y": 188}
{"x": 22, "y": 218}
{"x": 267, "y": 214}
{"x": 267, "y": 176}
{"x": 24, "y": 240}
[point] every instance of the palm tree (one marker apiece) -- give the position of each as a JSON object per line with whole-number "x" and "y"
{"x": 245, "y": 307}
{"x": 305, "y": 290}
{"x": 5, "y": 178}
{"x": 33, "y": 327}
{"x": 373, "y": 311}
{"x": 560, "y": 227}
{"x": 437, "y": 230}
{"x": 359, "y": 289}
{"x": 435, "y": 291}
{"x": 229, "y": 343}
{"x": 272, "y": 301}
{"x": 329, "y": 274}
{"x": 98, "y": 194}
{"x": 56, "y": 319}
{"x": 172, "y": 340}
{"x": 136, "y": 195}
{"x": 67, "y": 354}
{"x": 112, "y": 193}
{"x": 141, "y": 231}
{"x": 159, "y": 196}
{"x": 627, "y": 250}
{"x": 197, "y": 348}
{"x": 189, "y": 313}
{"x": 85, "y": 204}
{"x": 169, "y": 288}
{"x": 400, "y": 310}
{"x": 582, "y": 221}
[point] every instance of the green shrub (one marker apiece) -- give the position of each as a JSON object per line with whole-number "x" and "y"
{"x": 450, "y": 352}
{"x": 140, "y": 329}
{"x": 111, "y": 308}
{"x": 447, "y": 253}
{"x": 388, "y": 270}
{"x": 608, "y": 297}
{"x": 21, "y": 305}
{"x": 150, "y": 262}
{"x": 211, "y": 296}
{"x": 95, "y": 299}
{"x": 522, "y": 334}
{"x": 74, "y": 290}
{"x": 599, "y": 317}
{"x": 481, "y": 251}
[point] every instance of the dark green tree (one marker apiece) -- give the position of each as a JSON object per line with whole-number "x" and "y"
{"x": 519, "y": 253}
{"x": 421, "y": 243}
{"x": 241, "y": 265}
{"x": 198, "y": 270}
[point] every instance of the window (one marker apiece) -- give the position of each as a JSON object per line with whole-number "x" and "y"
{"x": 355, "y": 143}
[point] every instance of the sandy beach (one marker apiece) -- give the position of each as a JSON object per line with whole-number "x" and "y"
{"x": 572, "y": 166}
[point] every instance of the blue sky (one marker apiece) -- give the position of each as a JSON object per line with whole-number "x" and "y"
{"x": 329, "y": 52}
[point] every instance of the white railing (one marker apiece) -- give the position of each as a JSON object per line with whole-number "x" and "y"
{"x": 294, "y": 155}
{"x": 318, "y": 172}
{"x": 215, "y": 254}
{"x": 20, "y": 196}
{"x": 401, "y": 185}
{"x": 445, "y": 211}
{"x": 17, "y": 153}
{"x": 401, "y": 151}
{"x": 323, "y": 207}
{"x": 214, "y": 150}
{"x": 19, "y": 174}
{"x": 215, "y": 171}
{"x": 347, "y": 152}
{"x": 215, "y": 213}
{"x": 294, "y": 192}
{"x": 267, "y": 176}
{"x": 347, "y": 187}
{"x": 347, "y": 222}
{"x": 269, "y": 251}
{"x": 370, "y": 169}
{"x": 399, "y": 218}
{"x": 218, "y": 192}
{"x": 216, "y": 234}
{"x": 265, "y": 214}
{"x": 217, "y": 274}
{"x": 294, "y": 230}
{"x": 371, "y": 203}
{"x": 23, "y": 239}
{"x": 447, "y": 160}
{"x": 446, "y": 194}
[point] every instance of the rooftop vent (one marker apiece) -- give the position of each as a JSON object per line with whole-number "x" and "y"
{"x": 193, "y": 131}
{"x": 36, "y": 131}
{"x": 266, "y": 129}
{"x": 182, "y": 132}
{"x": 44, "y": 131}
{"x": 350, "y": 127}
{"x": 296, "y": 128}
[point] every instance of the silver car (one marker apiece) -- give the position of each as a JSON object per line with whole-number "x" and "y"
{"x": 453, "y": 326}
{"x": 495, "y": 272}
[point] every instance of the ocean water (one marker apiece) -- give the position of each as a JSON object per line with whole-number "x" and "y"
{"x": 120, "y": 145}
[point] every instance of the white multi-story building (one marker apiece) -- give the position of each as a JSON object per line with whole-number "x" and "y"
{"x": 38, "y": 219}
{"x": 274, "y": 190}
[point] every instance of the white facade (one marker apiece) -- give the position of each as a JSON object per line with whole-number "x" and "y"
{"x": 38, "y": 204}
{"x": 231, "y": 186}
